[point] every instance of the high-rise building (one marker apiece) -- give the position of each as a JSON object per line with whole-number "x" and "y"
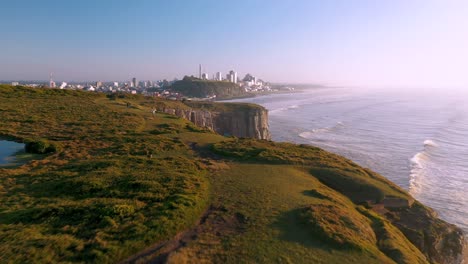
{"x": 51, "y": 81}
{"x": 134, "y": 82}
{"x": 219, "y": 76}
{"x": 204, "y": 76}
{"x": 232, "y": 76}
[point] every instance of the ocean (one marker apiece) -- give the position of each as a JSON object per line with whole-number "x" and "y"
{"x": 418, "y": 139}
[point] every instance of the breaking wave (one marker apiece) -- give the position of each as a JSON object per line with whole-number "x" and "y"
{"x": 284, "y": 109}
{"x": 309, "y": 134}
{"x": 419, "y": 169}
{"x": 429, "y": 143}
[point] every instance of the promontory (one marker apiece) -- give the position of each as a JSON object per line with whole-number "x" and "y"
{"x": 133, "y": 179}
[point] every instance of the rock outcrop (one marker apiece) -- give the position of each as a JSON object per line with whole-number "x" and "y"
{"x": 245, "y": 122}
{"x": 440, "y": 241}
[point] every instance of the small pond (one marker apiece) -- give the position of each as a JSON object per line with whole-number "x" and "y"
{"x": 7, "y": 150}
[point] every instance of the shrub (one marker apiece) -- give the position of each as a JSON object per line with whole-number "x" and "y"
{"x": 40, "y": 147}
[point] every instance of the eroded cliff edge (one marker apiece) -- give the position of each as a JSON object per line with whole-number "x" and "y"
{"x": 227, "y": 119}
{"x": 380, "y": 212}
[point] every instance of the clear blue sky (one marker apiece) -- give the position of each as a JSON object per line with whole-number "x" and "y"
{"x": 394, "y": 42}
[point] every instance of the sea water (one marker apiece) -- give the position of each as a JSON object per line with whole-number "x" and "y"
{"x": 417, "y": 139}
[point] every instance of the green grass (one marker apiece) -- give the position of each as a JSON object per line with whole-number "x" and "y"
{"x": 119, "y": 179}
{"x": 114, "y": 186}
{"x": 334, "y": 171}
{"x": 193, "y": 87}
{"x": 272, "y": 199}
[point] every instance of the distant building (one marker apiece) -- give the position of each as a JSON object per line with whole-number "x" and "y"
{"x": 205, "y": 76}
{"x": 98, "y": 84}
{"x": 232, "y": 76}
{"x": 219, "y": 76}
{"x": 63, "y": 85}
{"x": 51, "y": 81}
{"x": 15, "y": 83}
{"x": 116, "y": 84}
{"x": 134, "y": 82}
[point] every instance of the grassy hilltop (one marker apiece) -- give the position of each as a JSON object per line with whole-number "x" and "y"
{"x": 194, "y": 87}
{"x": 120, "y": 180}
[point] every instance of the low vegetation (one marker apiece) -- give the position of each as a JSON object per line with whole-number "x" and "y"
{"x": 114, "y": 179}
{"x": 194, "y": 87}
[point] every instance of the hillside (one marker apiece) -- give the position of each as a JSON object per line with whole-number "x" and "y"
{"x": 121, "y": 183}
{"x": 193, "y": 87}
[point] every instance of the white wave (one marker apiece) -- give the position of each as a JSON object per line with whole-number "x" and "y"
{"x": 282, "y": 109}
{"x": 310, "y": 134}
{"x": 430, "y": 143}
{"x": 417, "y": 173}
{"x": 305, "y": 134}
{"x": 293, "y": 107}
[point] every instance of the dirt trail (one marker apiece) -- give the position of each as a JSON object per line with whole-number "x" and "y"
{"x": 215, "y": 220}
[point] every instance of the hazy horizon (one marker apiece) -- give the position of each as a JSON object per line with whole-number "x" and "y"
{"x": 358, "y": 43}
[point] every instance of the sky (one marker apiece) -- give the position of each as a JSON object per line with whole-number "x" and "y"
{"x": 332, "y": 42}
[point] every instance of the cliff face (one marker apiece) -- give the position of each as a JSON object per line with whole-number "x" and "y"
{"x": 440, "y": 241}
{"x": 243, "y": 123}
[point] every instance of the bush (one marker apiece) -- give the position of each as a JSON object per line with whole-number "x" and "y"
{"x": 40, "y": 147}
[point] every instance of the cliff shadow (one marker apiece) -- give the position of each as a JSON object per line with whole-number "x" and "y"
{"x": 292, "y": 229}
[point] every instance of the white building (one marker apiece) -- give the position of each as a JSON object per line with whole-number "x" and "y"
{"x": 219, "y": 76}
{"x": 204, "y": 76}
{"x": 15, "y": 83}
{"x": 232, "y": 76}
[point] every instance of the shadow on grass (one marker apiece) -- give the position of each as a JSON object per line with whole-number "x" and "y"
{"x": 293, "y": 230}
{"x": 316, "y": 194}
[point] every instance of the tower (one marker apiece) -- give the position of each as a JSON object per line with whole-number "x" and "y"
{"x": 199, "y": 72}
{"x": 51, "y": 81}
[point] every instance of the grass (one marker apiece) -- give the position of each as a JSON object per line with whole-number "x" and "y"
{"x": 272, "y": 197}
{"x": 194, "y": 87}
{"x": 114, "y": 186}
{"x": 120, "y": 178}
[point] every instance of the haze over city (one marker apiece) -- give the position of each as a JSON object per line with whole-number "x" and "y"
{"x": 398, "y": 43}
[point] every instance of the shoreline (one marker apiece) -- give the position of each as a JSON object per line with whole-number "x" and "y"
{"x": 465, "y": 232}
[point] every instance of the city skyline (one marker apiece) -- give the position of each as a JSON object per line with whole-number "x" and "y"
{"x": 333, "y": 42}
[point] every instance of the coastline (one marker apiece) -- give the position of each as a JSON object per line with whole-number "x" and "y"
{"x": 318, "y": 132}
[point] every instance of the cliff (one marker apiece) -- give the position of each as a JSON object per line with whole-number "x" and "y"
{"x": 227, "y": 119}
{"x": 401, "y": 227}
{"x": 194, "y": 87}
{"x": 188, "y": 195}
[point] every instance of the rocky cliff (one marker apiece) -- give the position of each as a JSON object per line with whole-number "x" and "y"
{"x": 229, "y": 119}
